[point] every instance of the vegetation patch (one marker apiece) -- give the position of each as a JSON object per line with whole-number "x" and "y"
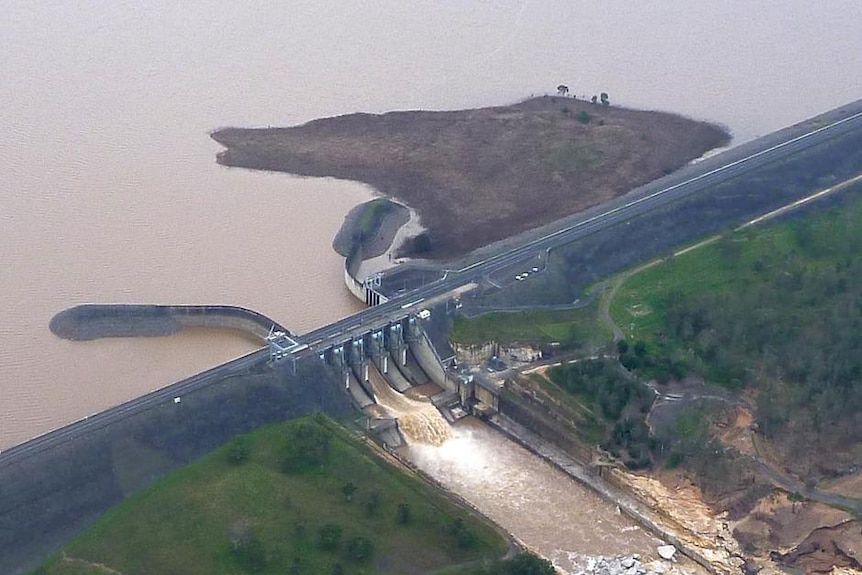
{"x": 619, "y": 405}
{"x": 300, "y": 497}
{"x": 775, "y": 311}
{"x": 571, "y": 329}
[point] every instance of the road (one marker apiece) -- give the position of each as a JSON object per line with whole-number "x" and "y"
{"x": 697, "y": 178}
{"x": 137, "y": 405}
{"x": 496, "y": 258}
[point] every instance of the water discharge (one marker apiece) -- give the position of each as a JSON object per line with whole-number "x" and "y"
{"x": 420, "y": 422}
{"x": 534, "y": 501}
{"x": 537, "y": 503}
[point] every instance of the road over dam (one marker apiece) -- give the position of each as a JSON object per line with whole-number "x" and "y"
{"x": 519, "y": 252}
{"x": 76, "y": 467}
{"x": 460, "y": 278}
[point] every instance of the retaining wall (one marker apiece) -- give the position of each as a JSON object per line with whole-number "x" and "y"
{"x": 94, "y": 321}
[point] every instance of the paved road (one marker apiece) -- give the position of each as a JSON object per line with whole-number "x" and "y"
{"x": 693, "y": 179}
{"x": 498, "y": 257}
{"x": 105, "y": 418}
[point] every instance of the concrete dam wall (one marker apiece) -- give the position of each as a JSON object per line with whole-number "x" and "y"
{"x": 92, "y": 321}
{"x": 54, "y": 487}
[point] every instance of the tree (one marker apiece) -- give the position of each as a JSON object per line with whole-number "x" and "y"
{"x": 348, "y": 489}
{"x": 422, "y": 243}
{"x": 402, "y": 514}
{"x": 594, "y": 99}
{"x": 622, "y": 346}
{"x": 245, "y": 547}
{"x": 528, "y": 564}
{"x": 604, "y": 98}
{"x": 306, "y": 446}
{"x": 562, "y": 90}
{"x": 359, "y": 548}
{"x": 372, "y": 503}
{"x": 464, "y": 538}
{"x": 329, "y": 537}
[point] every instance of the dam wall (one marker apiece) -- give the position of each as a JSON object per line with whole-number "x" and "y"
{"x": 95, "y": 321}
{"x": 51, "y": 493}
{"x": 429, "y": 361}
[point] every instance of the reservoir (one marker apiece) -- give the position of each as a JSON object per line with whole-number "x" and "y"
{"x": 109, "y": 192}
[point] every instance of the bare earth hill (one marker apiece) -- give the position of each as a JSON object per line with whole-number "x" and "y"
{"x": 477, "y": 176}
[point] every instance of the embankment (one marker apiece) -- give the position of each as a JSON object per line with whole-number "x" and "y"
{"x": 55, "y": 486}
{"x": 92, "y": 321}
{"x": 717, "y": 554}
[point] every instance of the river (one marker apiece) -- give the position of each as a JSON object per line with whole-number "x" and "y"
{"x": 109, "y": 191}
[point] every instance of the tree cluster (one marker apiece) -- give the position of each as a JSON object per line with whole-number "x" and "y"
{"x": 622, "y": 402}
{"x": 306, "y": 446}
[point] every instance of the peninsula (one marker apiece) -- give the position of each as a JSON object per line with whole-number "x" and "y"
{"x": 478, "y": 176}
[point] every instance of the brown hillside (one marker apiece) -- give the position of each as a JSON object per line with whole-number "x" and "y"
{"x": 477, "y": 176}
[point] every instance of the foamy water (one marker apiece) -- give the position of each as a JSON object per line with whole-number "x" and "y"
{"x": 420, "y": 422}
{"x": 537, "y": 503}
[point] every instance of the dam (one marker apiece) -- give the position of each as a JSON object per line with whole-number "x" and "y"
{"x": 53, "y": 487}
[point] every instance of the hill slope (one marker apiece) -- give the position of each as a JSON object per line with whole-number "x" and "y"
{"x": 477, "y": 176}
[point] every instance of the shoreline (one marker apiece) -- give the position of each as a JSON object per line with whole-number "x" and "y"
{"x": 478, "y": 176}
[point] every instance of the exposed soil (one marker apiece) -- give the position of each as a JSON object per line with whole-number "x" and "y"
{"x": 477, "y": 176}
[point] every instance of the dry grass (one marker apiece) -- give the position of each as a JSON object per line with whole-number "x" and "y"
{"x": 481, "y": 175}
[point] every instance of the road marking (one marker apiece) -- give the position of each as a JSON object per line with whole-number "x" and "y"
{"x": 665, "y": 190}
{"x": 803, "y": 201}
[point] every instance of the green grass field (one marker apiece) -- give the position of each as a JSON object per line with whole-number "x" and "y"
{"x": 685, "y": 308}
{"x": 215, "y": 517}
{"x": 570, "y": 328}
{"x": 713, "y": 308}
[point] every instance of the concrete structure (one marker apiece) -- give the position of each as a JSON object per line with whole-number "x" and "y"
{"x": 94, "y": 321}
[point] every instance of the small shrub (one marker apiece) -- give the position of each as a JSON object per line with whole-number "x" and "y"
{"x": 584, "y": 117}
{"x": 359, "y": 549}
{"x": 239, "y": 450}
{"x": 329, "y": 537}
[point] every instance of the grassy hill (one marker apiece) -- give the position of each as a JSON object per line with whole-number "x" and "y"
{"x": 771, "y": 314}
{"x": 476, "y": 176}
{"x": 304, "y": 497}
